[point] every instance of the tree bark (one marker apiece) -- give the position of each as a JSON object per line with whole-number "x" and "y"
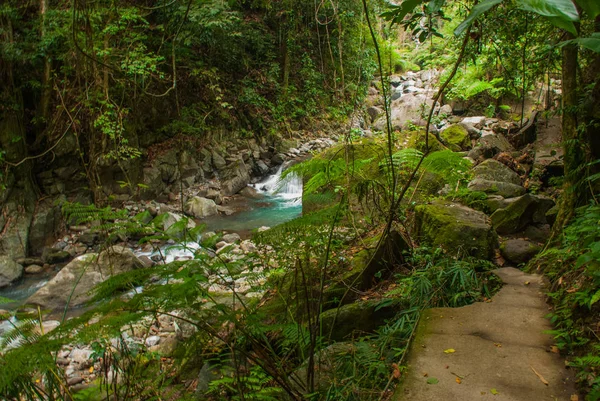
{"x": 46, "y": 87}
{"x": 572, "y": 143}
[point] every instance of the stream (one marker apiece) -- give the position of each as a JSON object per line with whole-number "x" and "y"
{"x": 278, "y": 201}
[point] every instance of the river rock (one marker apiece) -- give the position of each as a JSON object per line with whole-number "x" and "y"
{"x": 456, "y": 228}
{"x": 53, "y": 256}
{"x": 34, "y": 269}
{"x": 374, "y": 112}
{"x": 456, "y": 137}
{"x": 493, "y": 170}
{"x": 489, "y": 146}
{"x": 519, "y": 250}
{"x": 404, "y": 110}
{"x": 504, "y": 189}
{"x": 251, "y": 193}
{"x": 201, "y": 207}
{"x": 518, "y": 214}
{"x": 81, "y": 275}
{"x": 152, "y": 341}
{"x": 278, "y": 159}
{"x": 10, "y": 271}
{"x": 43, "y": 227}
{"x": 235, "y": 178}
{"x": 29, "y": 261}
{"x": 477, "y": 122}
{"x": 215, "y": 195}
{"x": 231, "y": 238}
{"x": 218, "y": 161}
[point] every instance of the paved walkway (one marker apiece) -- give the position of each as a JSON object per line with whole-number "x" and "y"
{"x": 488, "y": 350}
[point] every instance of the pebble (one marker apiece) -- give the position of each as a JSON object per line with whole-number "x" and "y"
{"x": 34, "y": 269}
{"x": 152, "y": 341}
{"x": 74, "y": 380}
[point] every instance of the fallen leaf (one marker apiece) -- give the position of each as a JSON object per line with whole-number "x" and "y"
{"x": 527, "y": 283}
{"x": 91, "y": 369}
{"x": 554, "y": 349}
{"x": 449, "y": 351}
{"x": 425, "y": 374}
{"x": 574, "y": 397}
{"x": 432, "y": 380}
{"x": 539, "y": 376}
{"x": 494, "y": 391}
{"x": 498, "y": 345}
{"x": 458, "y": 380}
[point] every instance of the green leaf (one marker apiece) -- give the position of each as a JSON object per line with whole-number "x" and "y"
{"x": 562, "y": 9}
{"x": 398, "y": 12}
{"x": 592, "y": 43}
{"x": 591, "y": 7}
{"x": 494, "y": 391}
{"x": 595, "y": 298}
{"x": 476, "y": 12}
{"x": 432, "y": 380}
{"x": 563, "y": 24}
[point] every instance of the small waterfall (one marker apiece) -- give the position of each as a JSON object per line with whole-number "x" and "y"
{"x": 288, "y": 189}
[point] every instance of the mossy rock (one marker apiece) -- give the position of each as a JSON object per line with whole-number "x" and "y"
{"x": 144, "y": 217}
{"x": 456, "y": 228}
{"x": 456, "y": 137}
{"x": 493, "y": 170}
{"x": 504, "y": 189}
{"x": 416, "y": 140}
{"x": 516, "y": 216}
{"x": 363, "y": 316}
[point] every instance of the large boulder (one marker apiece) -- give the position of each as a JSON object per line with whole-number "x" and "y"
{"x": 520, "y": 213}
{"x": 405, "y": 109}
{"x": 493, "y": 177}
{"x": 519, "y": 250}
{"x": 493, "y": 170}
{"x": 456, "y": 228}
{"x": 456, "y": 137}
{"x": 81, "y": 275}
{"x": 489, "y": 146}
{"x": 363, "y": 316}
{"x": 504, "y": 189}
{"x": 42, "y": 232}
{"x": 235, "y": 179}
{"x": 201, "y": 207}
{"x": 10, "y": 271}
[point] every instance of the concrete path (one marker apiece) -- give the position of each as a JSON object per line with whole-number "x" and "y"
{"x": 500, "y": 350}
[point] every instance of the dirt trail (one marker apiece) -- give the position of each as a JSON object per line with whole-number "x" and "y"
{"x": 500, "y": 350}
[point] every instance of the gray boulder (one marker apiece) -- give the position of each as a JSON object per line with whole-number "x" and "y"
{"x": 10, "y": 271}
{"x": 504, "y": 189}
{"x": 456, "y": 228}
{"x": 520, "y": 213}
{"x": 201, "y": 207}
{"x": 81, "y": 275}
{"x": 519, "y": 250}
{"x": 489, "y": 146}
{"x": 493, "y": 170}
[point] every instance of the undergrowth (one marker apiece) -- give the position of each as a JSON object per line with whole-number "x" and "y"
{"x": 574, "y": 272}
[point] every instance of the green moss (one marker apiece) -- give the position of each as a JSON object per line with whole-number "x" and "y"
{"x": 456, "y": 137}
{"x": 416, "y": 140}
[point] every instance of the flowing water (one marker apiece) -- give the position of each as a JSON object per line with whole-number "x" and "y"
{"x": 279, "y": 201}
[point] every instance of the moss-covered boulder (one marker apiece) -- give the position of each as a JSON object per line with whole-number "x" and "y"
{"x": 456, "y": 137}
{"x": 519, "y": 250}
{"x": 456, "y": 228}
{"x": 518, "y": 214}
{"x": 363, "y": 316}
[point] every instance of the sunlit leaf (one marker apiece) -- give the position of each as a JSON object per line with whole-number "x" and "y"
{"x": 476, "y": 12}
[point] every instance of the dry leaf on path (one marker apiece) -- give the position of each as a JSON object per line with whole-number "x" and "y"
{"x": 449, "y": 351}
{"x": 574, "y": 397}
{"x": 458, "y": 380}
{"x": 539, "y": 376}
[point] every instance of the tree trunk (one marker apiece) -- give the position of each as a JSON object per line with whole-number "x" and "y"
{"x": 572, "y": 143}
{"x": 46, "y": 87}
